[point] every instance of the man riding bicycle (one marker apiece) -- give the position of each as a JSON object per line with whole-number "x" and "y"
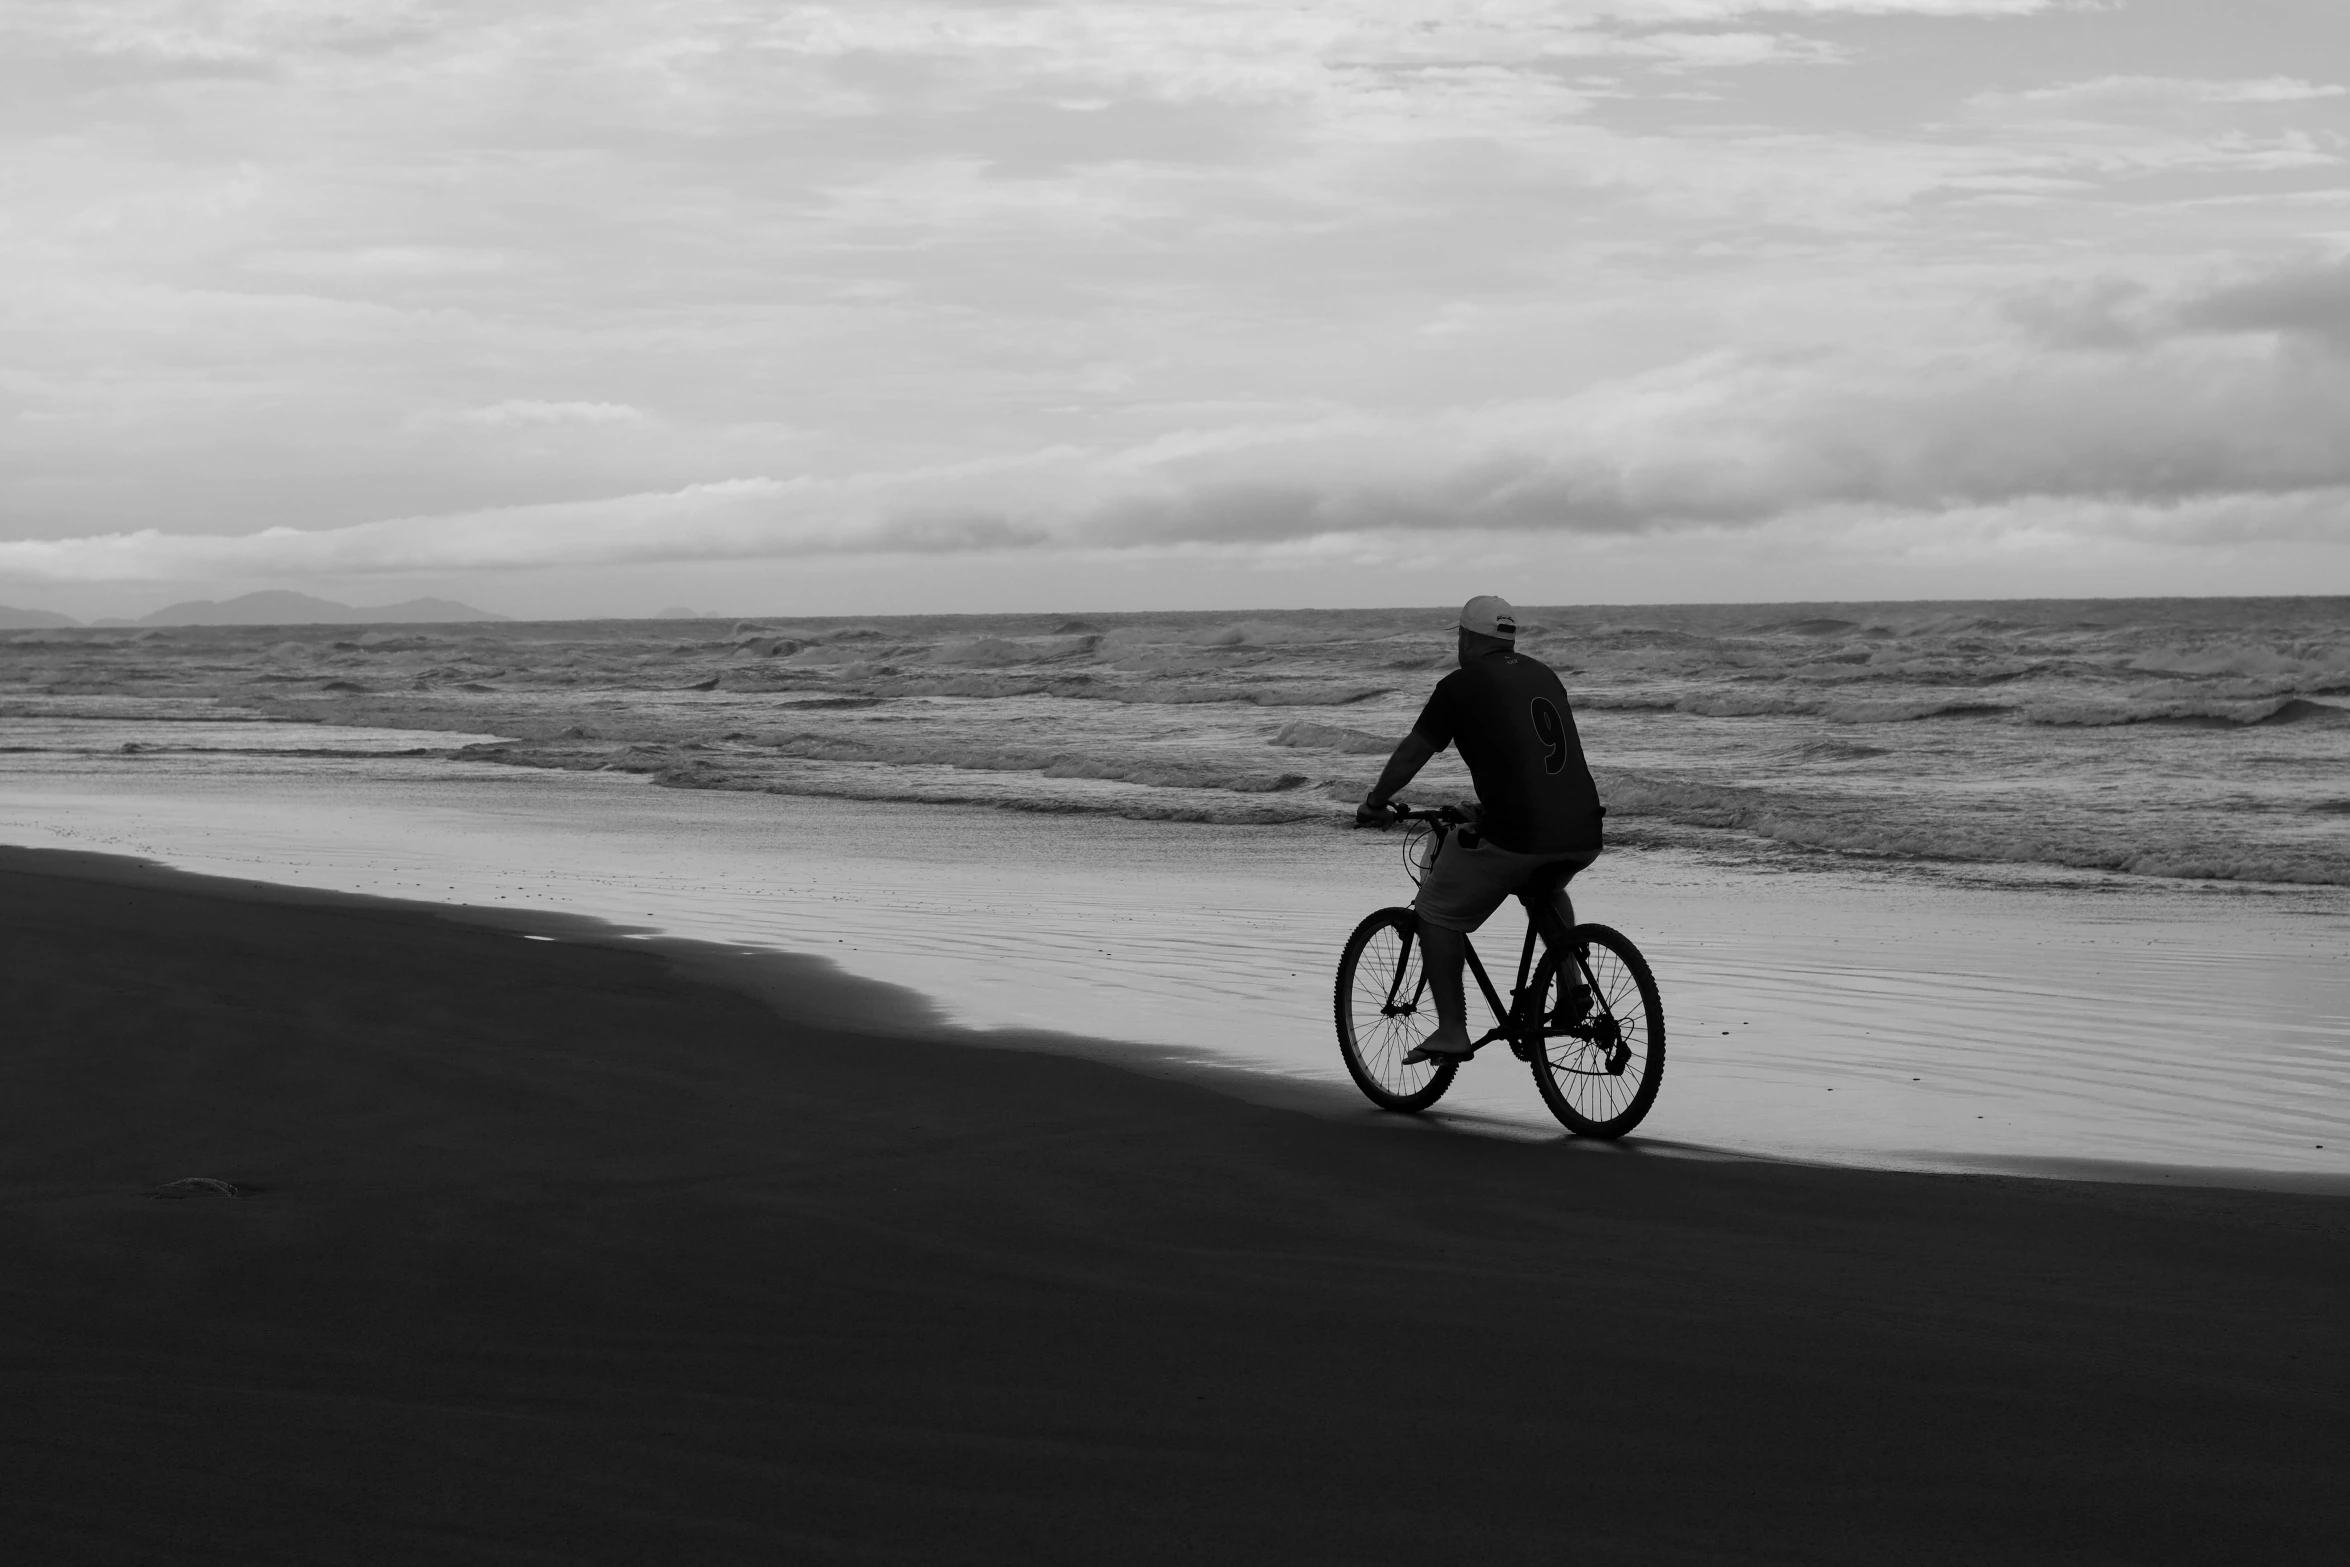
{"x": 1537, "y": 814}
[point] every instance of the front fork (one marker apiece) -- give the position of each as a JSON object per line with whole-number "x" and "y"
{"x": 1403, "y": 966}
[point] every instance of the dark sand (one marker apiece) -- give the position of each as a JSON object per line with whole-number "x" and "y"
{"x": 558, "y": 1252}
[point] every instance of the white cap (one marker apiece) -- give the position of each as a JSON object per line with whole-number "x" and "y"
{"x": 1489, "y": 616}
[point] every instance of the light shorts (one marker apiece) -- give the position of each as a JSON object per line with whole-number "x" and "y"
{"x": 1465, "y": 886}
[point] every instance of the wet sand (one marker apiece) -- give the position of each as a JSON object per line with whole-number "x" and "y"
{"x": 575, "y": 1251}
{"x": 1905, "y": 1020}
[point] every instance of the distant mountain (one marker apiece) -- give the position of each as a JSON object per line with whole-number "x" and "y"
{"x": 280, "y": 608}
{"x": 29, "y": 619}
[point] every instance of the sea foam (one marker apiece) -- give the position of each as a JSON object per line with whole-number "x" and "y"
{"x": 2197, "y": 739}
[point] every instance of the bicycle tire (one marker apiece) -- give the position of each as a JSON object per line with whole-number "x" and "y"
{"x": 1373, "y": 1037}
{"x": 1599, "y": 1074}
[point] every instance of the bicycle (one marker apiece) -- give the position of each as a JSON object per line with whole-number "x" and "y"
{"x": 1584, "y": 1016}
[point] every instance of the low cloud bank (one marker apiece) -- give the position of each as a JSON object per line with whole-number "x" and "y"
{"x": 2221, "y": 409}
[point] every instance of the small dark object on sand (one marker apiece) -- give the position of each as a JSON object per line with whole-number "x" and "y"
{"x": 710, "y": 684}
{"x": 198, "y": 1186}
{"x": 343, "y": 685}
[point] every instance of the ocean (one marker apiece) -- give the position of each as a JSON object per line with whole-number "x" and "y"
{"x": 2082, "y": 862}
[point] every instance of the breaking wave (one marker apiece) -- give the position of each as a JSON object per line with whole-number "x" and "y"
{"x": 2181, "y": 738}
{"x": 1982, "y": 837}
{"x": 1305, "y": 733}
{"x": 2214, "y": 712}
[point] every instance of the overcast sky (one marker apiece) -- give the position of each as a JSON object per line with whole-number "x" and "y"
{"x": 584, "y": 307}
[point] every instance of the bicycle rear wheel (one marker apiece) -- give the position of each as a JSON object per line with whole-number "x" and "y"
{"x": 1384, "y": 1010}
{"x": 1598, "y": 1062}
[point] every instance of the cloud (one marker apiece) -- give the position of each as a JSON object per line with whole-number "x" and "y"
{"x": 2188, "y": 406}
{"x": 1723, "y": 51}
{"x": 1725, "y": 10}
{"x": 739, "y": 519}
{"x": 1740, "y": 440}
{"x": 375, "y": 262}
{"x": 523, "y": 412}
{"x": 2092, "y": 313}
{"x": 2139, "y": 92}
{"x": 385, "y": 289}
{"x": 2307, "y": 302}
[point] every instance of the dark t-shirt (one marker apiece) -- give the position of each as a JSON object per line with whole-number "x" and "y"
{"x": 1509, "y": 716}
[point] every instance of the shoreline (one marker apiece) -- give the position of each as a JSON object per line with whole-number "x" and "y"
{"x": 809, "y": 987}
{"x": 558, "y": 1250}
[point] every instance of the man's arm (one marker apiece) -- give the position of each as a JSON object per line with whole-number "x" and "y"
{"x": 1411, "y": 754}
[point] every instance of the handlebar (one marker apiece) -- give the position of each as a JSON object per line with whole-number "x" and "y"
{"x": 1441, "y": 817}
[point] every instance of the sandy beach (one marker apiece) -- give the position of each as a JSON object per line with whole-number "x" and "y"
{"x": 693, "y": 698}
{"x": 558, "y": 1250}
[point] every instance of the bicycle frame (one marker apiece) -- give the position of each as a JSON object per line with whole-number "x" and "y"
{"x": 1506, "y": 1018}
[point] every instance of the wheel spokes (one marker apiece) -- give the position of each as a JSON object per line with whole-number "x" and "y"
{"x": 1601, "y": 1066}
{"x": 1384, "y": 1006}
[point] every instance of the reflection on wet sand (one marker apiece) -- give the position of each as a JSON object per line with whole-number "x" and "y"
{"x": 1926, "y": 1020}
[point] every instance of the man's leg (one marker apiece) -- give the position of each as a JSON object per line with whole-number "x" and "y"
{"x": 1461, "y": 889}
{"x": 1441, "y": 955}
{"x": 1574, "y": 996}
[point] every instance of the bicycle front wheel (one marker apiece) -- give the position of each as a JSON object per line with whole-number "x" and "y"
{"x": 1384, "y": 1010}
{"x": 1598, "y": 1049}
